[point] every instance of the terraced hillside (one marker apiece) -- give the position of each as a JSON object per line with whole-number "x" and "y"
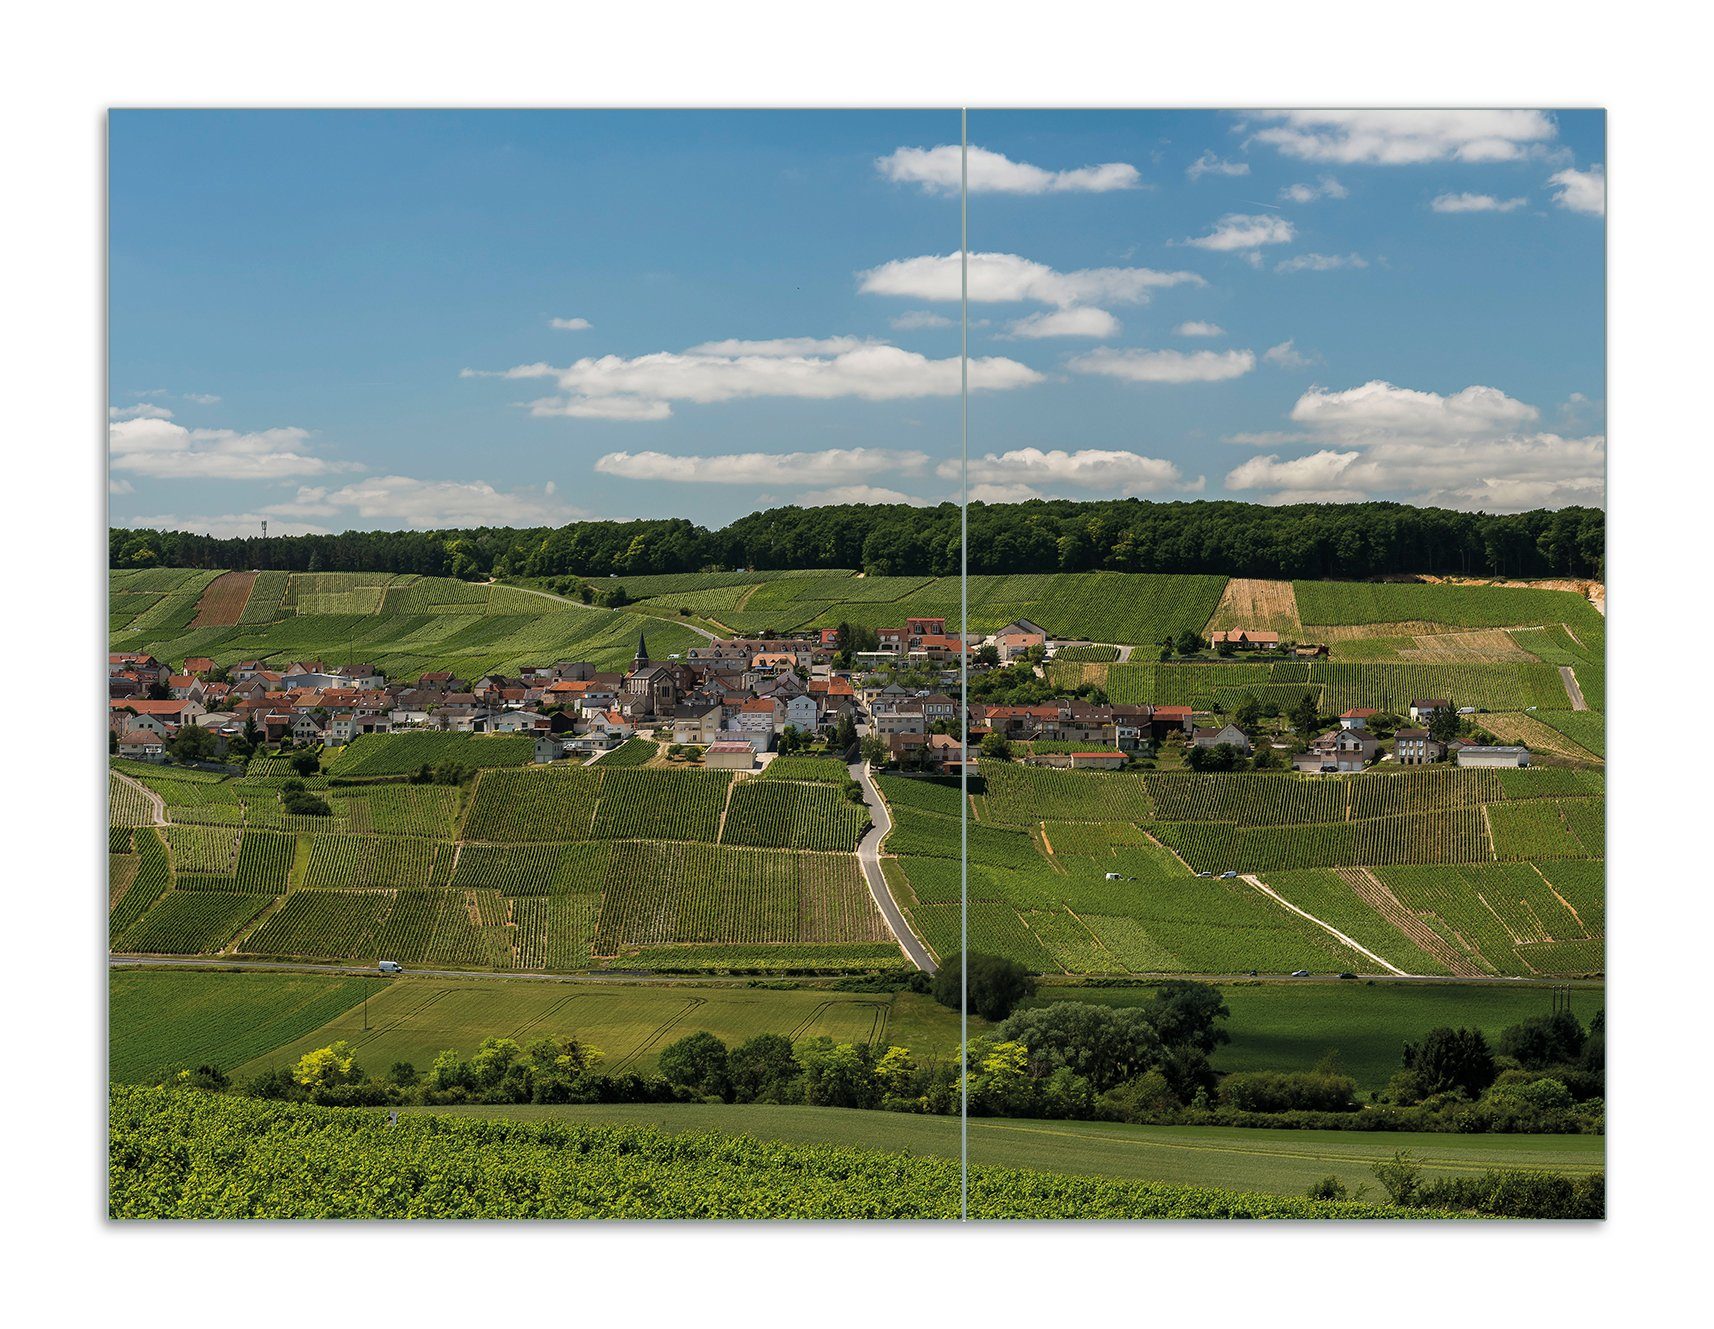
{"x": 532, "y": 868}
{"x": 405, "y": 625}
{"x": 1432, "y": 871}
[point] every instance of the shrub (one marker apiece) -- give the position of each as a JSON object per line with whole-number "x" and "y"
{"x": 1288, "y": 1091}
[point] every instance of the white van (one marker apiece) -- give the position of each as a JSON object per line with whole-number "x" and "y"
{"x": 392, "y": 967}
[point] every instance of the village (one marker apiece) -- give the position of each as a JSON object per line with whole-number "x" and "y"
{"x": 732, "y": 702}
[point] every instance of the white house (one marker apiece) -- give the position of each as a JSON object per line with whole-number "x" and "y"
{"x": 1481, "y": 755}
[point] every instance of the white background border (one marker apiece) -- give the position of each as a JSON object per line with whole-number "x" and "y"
{"x": 68, "y": 63}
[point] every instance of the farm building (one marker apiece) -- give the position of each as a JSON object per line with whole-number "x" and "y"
{"x": 1422, "y": 708}
{"x": 1097, "y": 761}
{"x": 1341, "y": 750}
{"x": 729, "y": 755}
{"x": 1246, "y": 639}
{"x": 1481, "y": 755}
{"x": 1357, "y": 717}
{"x": 1230, "y": 735}
{"x": 1413, "y": 747}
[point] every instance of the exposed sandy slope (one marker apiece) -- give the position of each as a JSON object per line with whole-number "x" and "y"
{"x": 223, "y": 600}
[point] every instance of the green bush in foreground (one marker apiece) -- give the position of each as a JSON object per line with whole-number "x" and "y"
{"x": 187, "y": 1154}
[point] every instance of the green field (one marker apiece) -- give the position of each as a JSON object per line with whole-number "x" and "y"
{"x": 1289, "y": 1026}
{"x": 406, "y": 625}
{"x": 1283, "y": 1162}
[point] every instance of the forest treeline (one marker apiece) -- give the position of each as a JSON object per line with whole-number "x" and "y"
{"x": 1308, "y": 540}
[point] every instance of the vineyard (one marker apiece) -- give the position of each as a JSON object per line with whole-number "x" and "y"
{"x": 1334, "y": 686}
{"x": 205, "y": 1156}
{"x": 780, "y": 815}
{"x": 402, "y": 753}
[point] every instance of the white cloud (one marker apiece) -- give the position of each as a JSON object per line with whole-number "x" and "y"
{"x": 1477, "y": 448}
{"x": 1197, "y": 328}
{"x": 1325, "y": 187}
{"x": 1392, "y": 138}
{"x": 1320, "y": 262}
{"x": 1380, "y": 410}
{"x": 427, "y": 504}
{"x": 1287, "y": 356}
{"x": 1086, "y": 321}
{"x": 1475, "y": 203}
{"x": 1103, "y": 470}
{"x": 201, "y": 398}
{"x": 141, "y": 411}
{"x": 940, "y": 171}
{"x": 570, "y": 324}
{"x": 1140, "y": 366}
{"x": 1210, "y": 164}
{"x": 1581, "y": 191}
{"x": 612, "y": 387}
{"x": 839, "y": 494}
{"x": 227, "y": 525}
{"x": 1237, "y": 230}
{"x": 913, "y": 320}
{"x": 991, "y": 493}
{"x": 826, "y": 468}
{"x": 120, "y": 487}
{"x": 152, "y": 446}
{"x": 1008, "y": 278}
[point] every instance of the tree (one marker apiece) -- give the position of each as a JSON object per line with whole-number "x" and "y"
{"x": 996, "y": 984}
{"x": 764, "y": 1069}
{"x": 1183, "y": 1015}
{"x": 1187, "y": 643}
{"x": 1249, "y": 713}
{"x": 846, "y": 733}
{"x": 1443, "y": 724}
{"x": 698, "y": 1062}
{"x": 995, "y": 747}
{"x": 1104, "y": 1044}
{"x": 1544, "y": 1040}
{"x": 1306, "y": 716}
{"x": 333, "y": 1064}
{"x": 1451, "y": 1059}
{"x": 307, "y": 763}
{"x": 988, "y": 656}
{"x": 838, "y": 1074}
{"x": 192, "y": 744}
{"x": 873, "y": 750}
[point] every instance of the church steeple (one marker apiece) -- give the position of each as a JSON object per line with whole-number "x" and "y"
{"x": 642, "y": 660}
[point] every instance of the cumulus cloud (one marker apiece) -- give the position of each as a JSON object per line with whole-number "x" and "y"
{"x": 1075, "y": 322}
{"x": 1320, "y": 262}
{"x": 1581, "y": 191}
{"x": 839, "y": 494}
{"x": 613, "y": 387}
{"x": 570, "y": 324}
{"x": 1210, "y": 164}
{"x": 1237, "y": 230}
{"x": 140, "y": 411}
{"x": 992, "y": 493}
{"x": 913, "y": 320}
{"x": 148, "y": 445}
{"x": 1477, "y": 448}
{"x": 120, "y": 487}
{"x": 1475, "y": 203}
{"x": 1142, "y": 366}
{"x": 1287, "y": 356}
{"x": 1325, "y": 187}
{"x": 826, "y": 468}
{"x": 1008, "y": 278}
{"x": 1394, "y": 138}
{"x": 202, "y": 398}
{"x": 939, "y": 170}
{"x": 1101, "y": 470}
{"x": 1198, "y": 328}
{"x": 427, "y": 504}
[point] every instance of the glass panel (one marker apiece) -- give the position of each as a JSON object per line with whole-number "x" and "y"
{"x": 646, "y": 424}
{"x": 1291, "y": 749}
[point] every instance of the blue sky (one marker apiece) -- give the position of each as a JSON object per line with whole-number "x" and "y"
{"x": 339, "y": 320}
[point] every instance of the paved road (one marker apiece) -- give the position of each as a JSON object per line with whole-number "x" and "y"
{"x": 869, "y": 855}
{"x": 1572, "y": 689}
{"x": 118, "y": 961}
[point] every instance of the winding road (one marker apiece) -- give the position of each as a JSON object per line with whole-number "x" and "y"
{"x": 1572, "y": 688}
{"x": 869, "y": 855}
{"x": 157, "y": 804}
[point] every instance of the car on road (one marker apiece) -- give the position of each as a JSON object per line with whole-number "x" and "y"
{"x": 1205, "y": 874}
{"x": 1347, "y": 974}
{"x": 1300, "y": 973}
{"x": 391, "y": 967}
{"x": 1228, "y": 874}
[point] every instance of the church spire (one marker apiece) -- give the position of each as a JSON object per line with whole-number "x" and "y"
{"x": 642, "y": 659}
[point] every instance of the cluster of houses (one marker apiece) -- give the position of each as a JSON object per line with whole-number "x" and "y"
{"x": 732, "y": 697}
{"x": 1350, "y": 747}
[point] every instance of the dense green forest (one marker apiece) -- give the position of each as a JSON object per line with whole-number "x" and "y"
{"x": 1311, "y": 540}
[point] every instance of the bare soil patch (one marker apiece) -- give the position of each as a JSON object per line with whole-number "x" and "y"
{"x": 223, "y": 600}
{"x": 1255, "y": 603}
